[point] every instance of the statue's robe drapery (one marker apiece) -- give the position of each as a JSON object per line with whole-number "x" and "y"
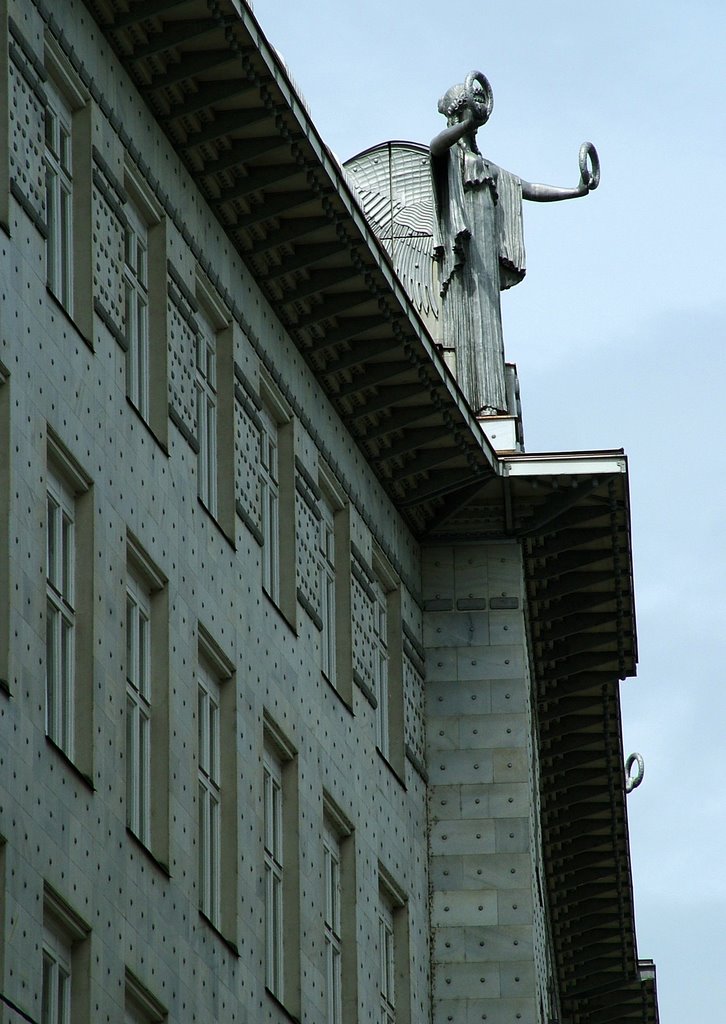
{"x": 479, "y": 243}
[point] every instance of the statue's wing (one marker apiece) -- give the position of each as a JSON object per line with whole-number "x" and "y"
{"x": 393, "y": 185}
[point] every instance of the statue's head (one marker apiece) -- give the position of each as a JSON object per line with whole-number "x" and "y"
{"x": 474, "y": 93}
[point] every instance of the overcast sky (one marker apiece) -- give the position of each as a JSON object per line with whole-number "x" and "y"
{"x": 618, "y": 332}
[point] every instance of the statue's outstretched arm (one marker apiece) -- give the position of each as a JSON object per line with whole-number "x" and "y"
{"x": 551, "y": 193}
{"x": 589, "y": 180}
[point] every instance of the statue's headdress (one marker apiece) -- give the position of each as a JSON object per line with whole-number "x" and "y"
{"x": 467, "y": 95}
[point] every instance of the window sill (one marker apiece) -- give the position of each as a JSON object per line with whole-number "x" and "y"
{"x": 142, "y": 846}
{"x": 281, "y": 1006}
{"x": 390, "y": 767}
{"x": 223, "y": 938}
{"x": 346, "y": 703}
{"x": 156, "y": 439}
{"x": 225, "y": 533}
{"x": 85, "y": 779}
{"x": 285, "y": 618}
{"x": 67, "y": 316}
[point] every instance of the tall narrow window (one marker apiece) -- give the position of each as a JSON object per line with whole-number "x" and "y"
{"x": 387, "y": 960}
{"x": 60, "y": 615}
{"x": 380, "y": 667}
{"x": 333, "y": 926}
{"x": 207, "y": 413}
{"x": 56, "y": 982}
{"x": 59, "y": 197}
{"x": 136, "y": 309}
{"x": 138, "y": 709}
{"x": 210, "y": 796}
{"x": 270, "y": 505}
{"x": 327, "y": 587}
{"x": 65, "y": 966}
{"x": 274, "y": 866}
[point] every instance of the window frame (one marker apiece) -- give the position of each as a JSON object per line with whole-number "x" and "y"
{"x": 209, "y": 792}
{"x": 386, "y": 959}
{"x": 57, "y": 954}
{"x": 136, "y": 308}
{"x": 60, "y": 675}
{"x": 139, "y": 706}
{"x": 274, "y": 859}
{"x": 58, "y": 158}
{"x": 207, "y": 345}
{"x": 332, "y": 924}
{"x": 269, "y": 484}
{"x": 328, "y": 577}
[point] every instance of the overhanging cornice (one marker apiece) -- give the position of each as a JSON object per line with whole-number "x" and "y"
{"x": 223, "y": 97}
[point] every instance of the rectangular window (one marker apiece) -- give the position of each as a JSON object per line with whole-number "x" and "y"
{"x": 394, "y": 973}
{"x": 138, "y": 708}
{"x": 274, "y": 868}
{"x": 210, "y": 794}
{"x": 333, "y": 926}
{"x": 387, "y": 642}
{"x": 59, "y": 197}
{"x": 60, "y": 615}
{"x": 56, "y": 992}
{"x": 328, "y": 604}
{"x": 207, "y": 412}
{"x": 136, "y": 309}
{"x": 147, "y": 702}
{"x": 281, "y": 868}
{"x": 65, "y": 967}
{"x": 270, "y": 505}
{"x": 380, "y": 667}
{"x": 387, "y": 960}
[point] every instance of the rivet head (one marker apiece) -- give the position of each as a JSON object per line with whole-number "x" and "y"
{"x": 481, "y": 907}
{"x": 478, "y": 835}
{"x": 476, "y": 766}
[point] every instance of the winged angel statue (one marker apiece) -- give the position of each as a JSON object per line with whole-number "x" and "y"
{"x": 451, "y": 221}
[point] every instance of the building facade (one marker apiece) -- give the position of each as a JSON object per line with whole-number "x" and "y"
{"x": 308, "y": 686}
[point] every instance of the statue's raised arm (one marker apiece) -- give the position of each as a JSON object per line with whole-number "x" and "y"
{"x": 478, "y": 238}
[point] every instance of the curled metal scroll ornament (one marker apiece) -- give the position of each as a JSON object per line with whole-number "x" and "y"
{"x": 633, "y": 781}
{"x": 481, "y": 101}
{"x": 589, "y": 166}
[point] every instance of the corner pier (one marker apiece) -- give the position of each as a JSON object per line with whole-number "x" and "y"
{"x": 488, "y": 918}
